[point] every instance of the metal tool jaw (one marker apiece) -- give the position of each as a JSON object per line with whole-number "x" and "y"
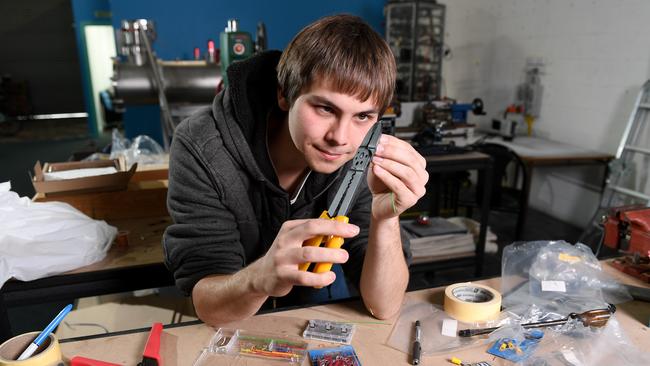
{"x": 352, "y": 179}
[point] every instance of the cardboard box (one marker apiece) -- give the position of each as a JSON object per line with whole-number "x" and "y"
{"x": 145, "y": 196}
{"x": 100, "y": 183}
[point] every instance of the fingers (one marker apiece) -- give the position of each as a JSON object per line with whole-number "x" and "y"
{"x": 310, "y": 279}
{"x": 318, "y": 255}
{"x": 294, "y": 256}
{"x": 401, "y": 151}
{"x": 288, "y": 261}
{"x": 398, "y": 177}
{"x": 313, "y": 227}
{"x": 400, "y": 159}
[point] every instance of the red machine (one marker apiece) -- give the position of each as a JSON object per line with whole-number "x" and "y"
{"x": 627, "y": 228}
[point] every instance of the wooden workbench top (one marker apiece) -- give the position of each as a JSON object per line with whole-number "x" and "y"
{"x": 181, "y": 345}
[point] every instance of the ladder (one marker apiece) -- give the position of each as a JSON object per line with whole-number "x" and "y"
{"x": 628, "y": 181}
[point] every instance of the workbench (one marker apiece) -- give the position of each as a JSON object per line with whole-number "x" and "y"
{"x": 541, "y": 152}
{"x": 140, "y": 210}
{"x": 139, "y": 266}
{"x": 182, "y": 344}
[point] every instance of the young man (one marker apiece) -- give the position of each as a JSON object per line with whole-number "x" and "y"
{"x": 249, "y": 177}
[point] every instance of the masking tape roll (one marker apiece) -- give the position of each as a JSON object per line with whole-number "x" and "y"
{"x": 470, "y": 302}
{"x": 11, "y": 349}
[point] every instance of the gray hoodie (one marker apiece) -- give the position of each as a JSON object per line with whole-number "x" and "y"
{"x": 224, "y": 196}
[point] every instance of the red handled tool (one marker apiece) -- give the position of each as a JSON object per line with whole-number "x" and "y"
{"x": 83, "y": 361}
{"x": 151, "y": 354}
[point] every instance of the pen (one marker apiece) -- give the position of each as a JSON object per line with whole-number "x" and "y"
{"x": 416, "y": 344}
{"x": 44, "y": 334}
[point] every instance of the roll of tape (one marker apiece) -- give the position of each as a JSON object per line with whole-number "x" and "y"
{"x": 470, "y": 302}
{"x": 49, "y": 354}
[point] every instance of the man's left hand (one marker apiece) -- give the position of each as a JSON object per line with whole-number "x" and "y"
{"x": 397, "y": 179}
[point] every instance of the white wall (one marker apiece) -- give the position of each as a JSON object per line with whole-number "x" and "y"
{"x": 596, "y": 55}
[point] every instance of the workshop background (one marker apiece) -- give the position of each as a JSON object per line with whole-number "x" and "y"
{"x": 593, "y": 56}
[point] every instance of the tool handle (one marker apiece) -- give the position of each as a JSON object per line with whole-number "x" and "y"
{"x": 332, "y": 242}
{"x": 416, "y": 352}
{"x": 313, "y": 242}
{"x": 152, "y": 349}
{"x": 83, "y": 361}
{"x": 595, "y": 318}
{"x": 475, "y": 332}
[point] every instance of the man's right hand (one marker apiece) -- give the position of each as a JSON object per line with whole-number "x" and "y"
{"x": 277, "y": 271}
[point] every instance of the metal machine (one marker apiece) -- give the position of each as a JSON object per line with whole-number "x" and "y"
{"x": 186, "y": 85}
{"x": 235, "y": 46}
{"x": 444, "y": 119}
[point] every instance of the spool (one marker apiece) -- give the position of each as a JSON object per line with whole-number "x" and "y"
{"x": 48, "y": 354}
{"x": 470, "y": 302}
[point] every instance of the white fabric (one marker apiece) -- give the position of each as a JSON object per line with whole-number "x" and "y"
{"x": 43, "y": 239}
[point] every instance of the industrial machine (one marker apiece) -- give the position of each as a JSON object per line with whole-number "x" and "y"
{"x": 235, "y": 46}
{"x": 444, "y": 119}
{"x": 179, "y": 87}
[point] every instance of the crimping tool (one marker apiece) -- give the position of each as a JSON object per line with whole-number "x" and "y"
{"x": 345, "y": 195}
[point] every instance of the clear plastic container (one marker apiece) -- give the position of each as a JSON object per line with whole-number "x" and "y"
{"x": 233, "y": 343}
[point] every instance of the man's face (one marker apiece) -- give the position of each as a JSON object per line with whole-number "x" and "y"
{"x": 328, "y": 127}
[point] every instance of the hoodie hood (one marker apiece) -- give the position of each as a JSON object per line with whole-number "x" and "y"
{"x": 249, "y": 99}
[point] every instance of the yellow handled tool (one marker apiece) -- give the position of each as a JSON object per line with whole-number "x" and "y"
{"x": 345, "y": 196}
{"x": 331, "y": 242}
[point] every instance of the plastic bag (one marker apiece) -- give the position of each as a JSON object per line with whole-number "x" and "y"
{"x": 557, "y": 277}
{"x": 544, "y": 281}
{"x": 431, "y": 318}
{"x": 575, "y": 345}
{"x": 42, "y": 239}
{"x": 143, "y": 150}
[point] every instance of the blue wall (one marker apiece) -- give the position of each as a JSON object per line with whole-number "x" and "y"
{"x": 181, "y": 26}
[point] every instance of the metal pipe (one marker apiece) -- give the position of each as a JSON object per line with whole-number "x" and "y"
{"x": 159, "y": 83}
{"x": 185, "y": 81}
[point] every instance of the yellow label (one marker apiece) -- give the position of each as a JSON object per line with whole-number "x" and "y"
{"x": 568, "y": 258}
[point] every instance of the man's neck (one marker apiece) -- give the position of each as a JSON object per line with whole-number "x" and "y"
{"x": 289, "y": 163}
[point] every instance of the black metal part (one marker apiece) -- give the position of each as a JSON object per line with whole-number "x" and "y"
{"x": 146, "y": 361}
{"x": 350, "y": 184}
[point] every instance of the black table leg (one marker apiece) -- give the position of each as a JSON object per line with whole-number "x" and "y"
{"x": 523, "y": 204}
{"x": 5, "y": 326}
{"x": 485, "y": 213}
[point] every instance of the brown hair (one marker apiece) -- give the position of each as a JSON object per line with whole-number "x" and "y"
{"x": 344, "y": 52}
